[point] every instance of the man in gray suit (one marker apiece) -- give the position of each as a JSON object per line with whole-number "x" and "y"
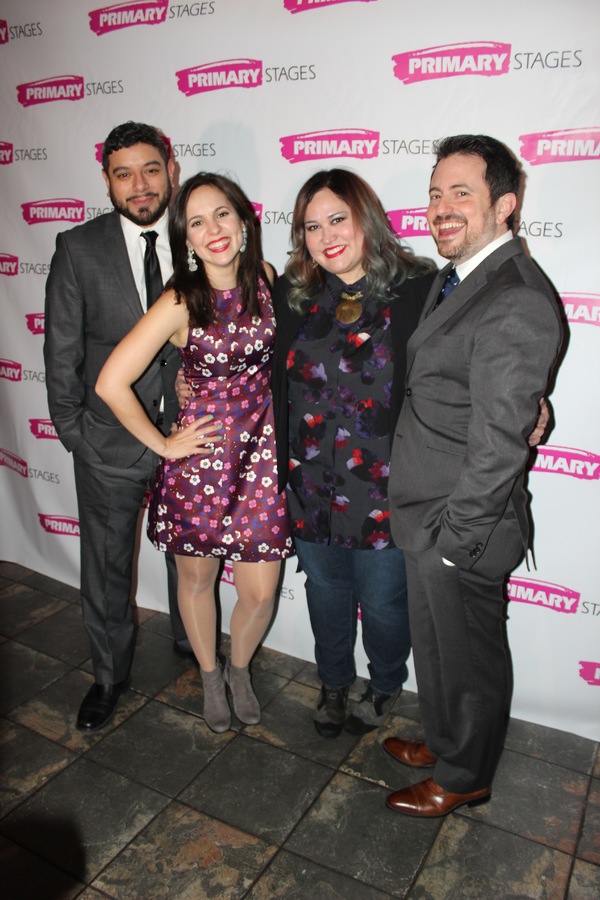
{"x": 478, "y": 363}
{"x": 96, "y": 291}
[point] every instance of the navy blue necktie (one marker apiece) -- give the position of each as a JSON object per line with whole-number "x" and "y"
{"x": 152, "y": 276}
{"x": 450, "y": 282}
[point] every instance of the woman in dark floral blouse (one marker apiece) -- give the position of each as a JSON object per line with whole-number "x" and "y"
{"x": 345, "y": 308}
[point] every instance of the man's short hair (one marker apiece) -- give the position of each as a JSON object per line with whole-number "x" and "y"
{"x": 502, "y": 170}
{"x": 131, "y": 133}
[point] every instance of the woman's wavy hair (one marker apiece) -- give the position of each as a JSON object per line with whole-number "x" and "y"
{"x": 194, "y": 288}
{"x": 385, "y": 260}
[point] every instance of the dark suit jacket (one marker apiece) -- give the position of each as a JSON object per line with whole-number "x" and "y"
{"x": 405, "y": 311}
{"x": 477, "y": 367}
{"x": 91, "y": 304}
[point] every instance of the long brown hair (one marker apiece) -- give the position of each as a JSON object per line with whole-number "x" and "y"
{"x": 194, "y": 288}
{"x": 385, "y": 260}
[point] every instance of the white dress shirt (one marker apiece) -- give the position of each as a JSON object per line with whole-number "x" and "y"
{"x": 136, "y": 247}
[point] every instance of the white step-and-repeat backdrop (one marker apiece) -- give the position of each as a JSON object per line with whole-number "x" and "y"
{"x": 269, "y": 91}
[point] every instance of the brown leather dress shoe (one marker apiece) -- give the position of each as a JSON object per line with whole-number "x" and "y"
{"x": 410, "y": 753}
{"x": 428, "y": 800}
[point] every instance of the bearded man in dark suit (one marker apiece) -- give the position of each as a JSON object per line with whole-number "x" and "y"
{"x": 96, "y": 291}
{"x": 478, "y": 363}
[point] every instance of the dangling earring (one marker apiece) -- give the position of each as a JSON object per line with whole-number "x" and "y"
{"x": 192, "y": 264}
{"x": 244, "y": 243}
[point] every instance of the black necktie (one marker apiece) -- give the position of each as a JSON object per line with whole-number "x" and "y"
{"x": 152, "y": 276}
{"x": 450, "y": 282}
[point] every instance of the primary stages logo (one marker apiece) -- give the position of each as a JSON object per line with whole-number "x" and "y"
{"x": 215, "y": 76}
{"x": 9, "y": 264}
{"x": 582, "y": 308}
{"x": 475, "y": 58}
{"x": 6, "y": 153}
{"x": 11, "y": 370}
{"x": 14, "y": 462}
{"x": 297, "y": 6}
{"x": 542, "y": 593}
{"x": 356, "y": 142}
{"x": 569, "y": 145}
{"x": 567, "y": 461}
{"x": 48, "y": 90}
{"x": 61, "y": 209}
{"x": 36, "y": 322}
{"x": 59, "y": 524}
{"x": 43, "y": 429}
{"x": 125, "y": 15}
{"x": 409, "y": 222}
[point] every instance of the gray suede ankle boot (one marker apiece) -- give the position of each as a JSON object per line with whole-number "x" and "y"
{"x": 216, "y": 712}
{"x": 245, "y": 704}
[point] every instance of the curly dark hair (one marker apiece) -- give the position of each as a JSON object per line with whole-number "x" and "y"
{"x": 131, "y": 133}
{"x": 194, "y": 288}
{"x": 385, "y": 259}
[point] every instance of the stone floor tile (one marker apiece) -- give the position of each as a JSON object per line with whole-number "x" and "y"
{"x": 552, "y": 745}
{"x": 589, "y": 843}
{"x": 28, "y": 762}
{"x": 291, "y": 877}
{"x": 52, "y": 586}
{"x": 258, "y": 788}
{"x": 369, "y": 760}
{"x": 23, "y": 673}
{"x": 22, "y": 606}
{"x": 154, "y": 663}
{"x": 585, "y": 882}
{"x": 53, "y": 712}
{"x": 162, "y": 747}
{"x": 83, "y": 818}
{"x": 288, "y": 722}
{"x": 536, "y": 800}
{"x": 25, "y": 876}
{"x": 349, "y": 829}
{"x": 158, "y": 622}
{"x": 275, "y": 661}
{"x": 61, "y": 636}
{"x": 472, "y": 860}
{"x": 406, "y": 705}
{"x": 13, "y": 571}
{"x": 184, "y": 853}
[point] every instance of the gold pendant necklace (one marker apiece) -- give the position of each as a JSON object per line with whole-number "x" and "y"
{"x": 349, "y": 310}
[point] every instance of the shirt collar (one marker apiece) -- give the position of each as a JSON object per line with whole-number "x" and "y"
{"x": 464, "y": 269}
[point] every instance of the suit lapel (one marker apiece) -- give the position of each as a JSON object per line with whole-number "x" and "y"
{"x": 433, "y": 320}
{"x": 117, "y": 258}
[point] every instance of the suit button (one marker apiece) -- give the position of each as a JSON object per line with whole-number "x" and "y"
{"x": 155, "y": 403}
{"x": 408, "y": 392}
{"x": 163, "y": 362}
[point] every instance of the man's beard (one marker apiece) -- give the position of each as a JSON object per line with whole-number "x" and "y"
{"x": 144, "y": 215}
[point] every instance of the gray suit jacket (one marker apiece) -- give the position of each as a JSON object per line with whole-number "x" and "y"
{"x": 476, "y": 369}
{"x": 91, "y": 303}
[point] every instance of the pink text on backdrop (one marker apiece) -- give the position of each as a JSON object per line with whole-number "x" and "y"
{"x": 59, "y": 524}
{"x": 3, "y": 31}
{"x": 569, "y": 145}
{"x": 543, "y": 593}
{"x": 472, "y": 58}
{"x": 59, "y": 209}
{"x": 297, "y": 6}
{"x": 43, "y": 429}
{"x": 215, "y": 76}
{"x": 409, "y": 222}
{"x": 590, "y": 672}
{"x": 35, "y": 322}
{"x": 125, "y": 15}
{"x": 9, "y": 264}
{"x": 6, "y": 153}
{"x": 11, "y": 370}
{"x": 227, "y": 576}
{"x": 357, "y": 142}
{"x": 567, "y": 461}
{"x": 48, "y": 90}
{"x": 258, "y": 209}
{"x": 14, "y": 462}
{"x": 582, "y": 308}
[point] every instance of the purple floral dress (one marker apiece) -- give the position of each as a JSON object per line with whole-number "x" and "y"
{"x": 226, "y": 504}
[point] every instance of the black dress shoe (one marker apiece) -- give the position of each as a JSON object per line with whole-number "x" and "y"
{"x": 99, "y": 706}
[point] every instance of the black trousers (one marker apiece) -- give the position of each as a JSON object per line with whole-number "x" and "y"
{"x": 109, "y": 500}
{"x": 462, "y": 664}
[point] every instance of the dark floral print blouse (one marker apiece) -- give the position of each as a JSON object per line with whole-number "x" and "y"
{"x": 339, "y": 384}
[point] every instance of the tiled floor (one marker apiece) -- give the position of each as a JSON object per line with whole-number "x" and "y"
{"x": 157, "y": 806}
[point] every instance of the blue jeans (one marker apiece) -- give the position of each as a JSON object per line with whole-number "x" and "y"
{"x": 337, "y": 581}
